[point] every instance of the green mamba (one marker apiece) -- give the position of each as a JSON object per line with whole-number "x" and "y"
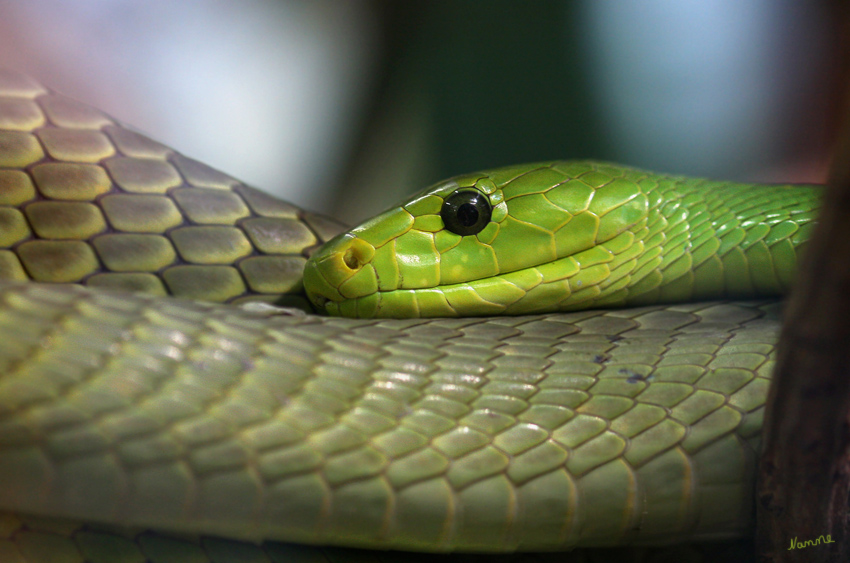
{"x": 562, "y": 236}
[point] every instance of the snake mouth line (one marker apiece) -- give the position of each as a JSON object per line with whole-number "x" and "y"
{"x": 541, "y": 288}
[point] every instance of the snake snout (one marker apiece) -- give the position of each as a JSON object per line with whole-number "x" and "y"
{"x": 339, "y": 271}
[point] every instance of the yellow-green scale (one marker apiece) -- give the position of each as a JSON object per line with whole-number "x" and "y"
{"x": 724, "y": 239}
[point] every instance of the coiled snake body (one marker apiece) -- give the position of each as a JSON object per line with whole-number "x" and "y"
{"x": 545, "y": 431}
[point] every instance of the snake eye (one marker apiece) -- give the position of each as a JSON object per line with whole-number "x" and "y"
{"x": 466, "y": 212}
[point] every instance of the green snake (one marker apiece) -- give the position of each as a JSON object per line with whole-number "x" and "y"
{"x": 487, "y": 419}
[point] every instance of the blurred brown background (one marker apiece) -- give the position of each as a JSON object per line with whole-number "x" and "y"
{"x": 345, "y": 106}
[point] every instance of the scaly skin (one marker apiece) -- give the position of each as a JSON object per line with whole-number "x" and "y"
{"x": 131, "y": 412}
{"x": 566, "y": 236}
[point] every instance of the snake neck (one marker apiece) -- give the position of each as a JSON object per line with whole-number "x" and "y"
{"x": 703, "y": 239}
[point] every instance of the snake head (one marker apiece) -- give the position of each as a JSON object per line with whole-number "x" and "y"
{"x": 509, "y": 241}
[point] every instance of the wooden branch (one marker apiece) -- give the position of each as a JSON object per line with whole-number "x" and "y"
{"x": 804, "y": 472}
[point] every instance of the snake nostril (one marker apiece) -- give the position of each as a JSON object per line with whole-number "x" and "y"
{"x": 351, "y": 260}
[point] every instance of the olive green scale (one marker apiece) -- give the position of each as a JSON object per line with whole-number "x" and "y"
{"x": 564, "y": 236}
{"x": 85, "y": 200}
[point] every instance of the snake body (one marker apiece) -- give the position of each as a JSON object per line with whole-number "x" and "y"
{"x": 544, "y": 431}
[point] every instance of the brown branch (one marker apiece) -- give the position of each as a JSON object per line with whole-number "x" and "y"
{"x": 804, "y": 472}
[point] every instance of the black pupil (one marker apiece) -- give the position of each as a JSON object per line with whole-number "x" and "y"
{"x": 467, "y": 214}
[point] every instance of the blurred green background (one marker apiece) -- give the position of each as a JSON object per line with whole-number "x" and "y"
{"x": 345, "y": 106}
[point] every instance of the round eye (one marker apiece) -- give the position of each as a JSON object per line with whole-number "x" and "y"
{"x": 466, "y": 212}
